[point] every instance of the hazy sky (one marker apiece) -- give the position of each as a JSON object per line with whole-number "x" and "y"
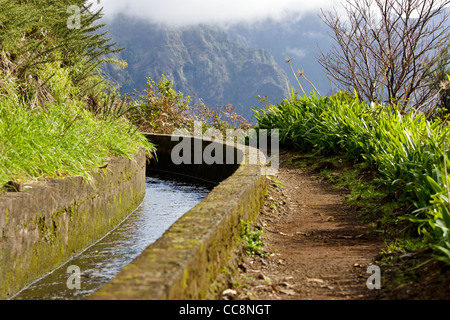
{"x": 187, "y": 12}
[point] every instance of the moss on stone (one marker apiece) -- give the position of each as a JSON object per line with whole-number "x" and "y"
{"x": 83, "y": 214}
{"x": 189, "y": 257}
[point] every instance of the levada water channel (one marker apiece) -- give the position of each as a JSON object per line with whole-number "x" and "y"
{"x": 167, "y": 198}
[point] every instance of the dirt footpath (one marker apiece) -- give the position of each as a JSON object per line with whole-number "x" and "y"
{"x": 318, "y": 249}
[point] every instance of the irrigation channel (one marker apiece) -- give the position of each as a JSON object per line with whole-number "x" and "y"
{"x": 167, "y": 198}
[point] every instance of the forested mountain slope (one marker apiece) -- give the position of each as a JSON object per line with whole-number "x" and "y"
{"x": 200, "y": 60}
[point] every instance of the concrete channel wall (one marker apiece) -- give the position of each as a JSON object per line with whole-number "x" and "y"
{"x": 186, "y": 260}
{"x": 51, "y": 221}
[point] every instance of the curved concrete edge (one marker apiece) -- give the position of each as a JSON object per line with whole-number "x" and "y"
{"x": 186, "y": 260}
{"x": 53, "y": 220}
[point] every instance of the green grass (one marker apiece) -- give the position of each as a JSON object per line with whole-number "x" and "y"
{"x": 60, "y": 141}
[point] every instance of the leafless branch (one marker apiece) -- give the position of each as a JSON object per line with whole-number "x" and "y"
{"x": 384, "y": 49}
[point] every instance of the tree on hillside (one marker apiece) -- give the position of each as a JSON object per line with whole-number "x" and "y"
{"x": 385, "y": 49}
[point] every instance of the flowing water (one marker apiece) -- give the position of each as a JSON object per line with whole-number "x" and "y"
{"x": 167, "y": 199}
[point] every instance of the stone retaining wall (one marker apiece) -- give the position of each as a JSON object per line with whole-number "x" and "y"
{"x": 51, "y": 221}
{"x": 186, "y": 260}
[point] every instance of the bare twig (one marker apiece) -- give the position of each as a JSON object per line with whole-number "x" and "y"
{"x": 384, "y": 48}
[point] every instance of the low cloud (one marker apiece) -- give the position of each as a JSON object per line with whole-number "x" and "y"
{"x": 296, "y": 52}
{"x": 313, "y": 34}
{"x": 224, "y": 12}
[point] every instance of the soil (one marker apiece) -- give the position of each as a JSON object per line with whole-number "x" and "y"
{"x": 317, "y": 248}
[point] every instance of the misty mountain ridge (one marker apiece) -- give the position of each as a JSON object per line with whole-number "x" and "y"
{"x": 301, "y": 40}
{"x": 201, "y": 61}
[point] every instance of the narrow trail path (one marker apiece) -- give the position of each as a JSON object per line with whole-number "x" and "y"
{"x": 318, "y": 248}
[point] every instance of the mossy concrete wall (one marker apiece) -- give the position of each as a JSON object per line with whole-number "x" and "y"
{"x": 187, "y": 259}
{"x": 51, "y": 221}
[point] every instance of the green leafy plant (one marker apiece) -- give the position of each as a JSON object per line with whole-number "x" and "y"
{"x": 253, "y": 239}
{"x": 34, "y": 34}
{"x": 159, "y": 108}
